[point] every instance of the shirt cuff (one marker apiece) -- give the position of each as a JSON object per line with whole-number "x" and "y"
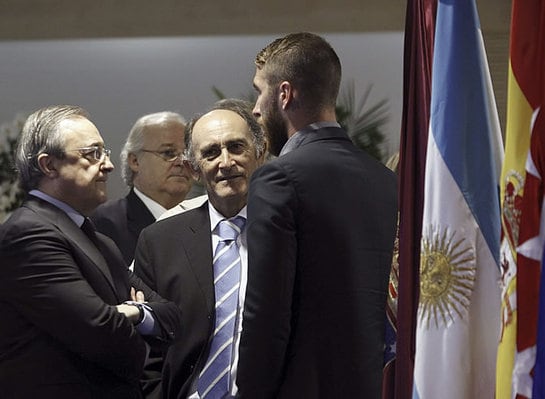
{"x": 146, "y": 326}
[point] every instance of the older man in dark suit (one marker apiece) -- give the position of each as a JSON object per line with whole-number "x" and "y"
{"x": 72, "y": 323}
{"x": 152, "y": 167}
{"x": 321, "y": 226}
{"x": 181, "y": 257}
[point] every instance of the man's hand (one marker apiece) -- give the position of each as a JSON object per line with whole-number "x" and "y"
{"x": 132, "y": 312}
{"x": 137, "y": 296}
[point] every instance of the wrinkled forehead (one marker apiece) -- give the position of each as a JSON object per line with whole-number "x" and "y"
{"x": 166, "y": 134}
{"x": 79, "y": 132}
{"x": 218, "y": 126}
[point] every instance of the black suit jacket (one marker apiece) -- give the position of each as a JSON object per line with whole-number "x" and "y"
{"x": 174, "y": 257}
{"x": 321, "y": 226}
{"x": 122, "y": 220}
{"x": 61, "y": 335}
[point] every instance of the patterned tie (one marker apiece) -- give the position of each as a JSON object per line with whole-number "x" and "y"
{"x": 214, "y": 377}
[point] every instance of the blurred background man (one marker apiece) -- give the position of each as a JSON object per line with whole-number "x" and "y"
{"x": 152, "y": 166}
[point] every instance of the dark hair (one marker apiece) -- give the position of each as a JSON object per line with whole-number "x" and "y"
{"x": 308, "y": 62}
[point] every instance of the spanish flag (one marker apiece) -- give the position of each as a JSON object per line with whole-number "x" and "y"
{"x": 525, "y": 88}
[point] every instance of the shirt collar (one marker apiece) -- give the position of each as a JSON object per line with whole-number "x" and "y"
{"x": 216, "y": 217}
{"x": 77, "y": 217}
{"x": 299, "y": 136}
{"x": 154, "y": 207}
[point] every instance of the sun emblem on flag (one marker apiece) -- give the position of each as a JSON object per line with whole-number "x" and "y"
{"x": 447, "y": 277}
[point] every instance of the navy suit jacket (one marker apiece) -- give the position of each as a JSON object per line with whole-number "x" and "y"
{"x": 174, "y": 257}
{"x": 122, "y": 220}
{"x": 61, "y": 335}
{"x": 321, "y": 227}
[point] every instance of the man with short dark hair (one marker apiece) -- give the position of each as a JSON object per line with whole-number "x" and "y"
{"x": 321, "y": 227}
{"x": 73, "y": 318}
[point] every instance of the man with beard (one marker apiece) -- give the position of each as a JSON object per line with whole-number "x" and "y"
{"x": 321, "y": 227}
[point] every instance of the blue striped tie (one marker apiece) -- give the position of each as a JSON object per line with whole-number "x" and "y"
{"x": 214, "y": 377}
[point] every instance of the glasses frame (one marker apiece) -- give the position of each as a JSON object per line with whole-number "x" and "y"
{"x": 93, "y": 152}
{"x": 161, "y": 154}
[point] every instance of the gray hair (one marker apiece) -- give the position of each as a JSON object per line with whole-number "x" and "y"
{"x": 41, "y": 135}
{"x": 135, "y": 140}
{"x": 241, "y": 108}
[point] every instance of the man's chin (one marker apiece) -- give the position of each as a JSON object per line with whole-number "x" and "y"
{"x": 229, "y": 191}
{"x": 102, "y": 198}
{"x": 179, "y": 179}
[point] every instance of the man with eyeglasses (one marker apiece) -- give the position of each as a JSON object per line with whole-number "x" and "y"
{"x": 152, "y": 167}
{"x": 75, "y": 323}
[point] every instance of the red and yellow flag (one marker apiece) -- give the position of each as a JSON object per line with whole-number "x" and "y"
{"x": 525, "y": 88}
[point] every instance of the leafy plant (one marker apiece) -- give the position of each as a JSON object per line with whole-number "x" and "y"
{"x": 363, "y": 124}
{"x": 11, "y": 196}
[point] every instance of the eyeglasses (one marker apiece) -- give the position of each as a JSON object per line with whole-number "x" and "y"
{"x": 94, "y": 152}
{"x": 168, "y": 155}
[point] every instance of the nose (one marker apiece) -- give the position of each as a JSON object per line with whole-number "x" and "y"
{"x": 256, "y": 111}
{"x": 107, "y": 165}
{"x": 179, "y": 160}
{"x": 226, "y": 161}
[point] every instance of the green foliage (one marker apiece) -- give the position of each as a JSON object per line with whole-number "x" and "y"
{"x": 363, "y": 124}
{"x": 250, "y": 96}
{"x": 11, "y": 196}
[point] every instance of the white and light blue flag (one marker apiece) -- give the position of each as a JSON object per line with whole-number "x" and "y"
{"x": 459, "y": 306}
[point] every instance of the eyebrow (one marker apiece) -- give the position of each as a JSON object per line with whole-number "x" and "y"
{"x": 167, "y": 146}
{"x": 232, "y": 141}
{"x": 94, "y": 144}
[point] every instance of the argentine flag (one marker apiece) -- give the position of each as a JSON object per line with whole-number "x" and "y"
{"x": 459, "y": 306}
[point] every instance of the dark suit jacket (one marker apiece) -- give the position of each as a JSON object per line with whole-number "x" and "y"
{"x": 174, "y": 257}
{"x": 61, "y": 335}
{"x": 321, "y": 226}
{"x": 122, "y": 220}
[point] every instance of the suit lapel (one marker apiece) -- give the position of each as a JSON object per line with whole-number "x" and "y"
{"x": 67, "y": 228}
{"x": 197, "y": 241}
{"x": 138, "y": 214}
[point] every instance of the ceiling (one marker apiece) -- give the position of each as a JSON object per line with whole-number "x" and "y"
{"x": 57, "y": 19}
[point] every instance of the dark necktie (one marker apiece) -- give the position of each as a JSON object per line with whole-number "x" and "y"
{"x": 89, "y": 229}
{"x": 116, "y": 266}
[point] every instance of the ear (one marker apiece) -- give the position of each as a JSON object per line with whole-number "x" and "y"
{"x": 132, "y": 161}
{"x": 262, "y": 157}
{"x": 285, "y": 94}
{"x": 195, "y": 173}
{"x": 48, "y": 165}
